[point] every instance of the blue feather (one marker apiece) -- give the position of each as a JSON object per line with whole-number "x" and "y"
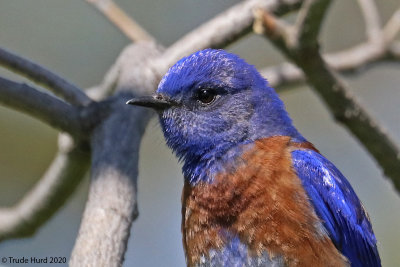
{"x": 235, "y": 254}
{"x": 337, "y": 205}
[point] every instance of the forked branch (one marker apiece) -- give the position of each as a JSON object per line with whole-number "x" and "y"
{"x": 339, "y": 98}
{"x": 42, "y": 106}
{"x": 45, "y": 77}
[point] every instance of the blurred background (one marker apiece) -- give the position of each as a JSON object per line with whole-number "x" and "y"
{"x": 74, "y": 40}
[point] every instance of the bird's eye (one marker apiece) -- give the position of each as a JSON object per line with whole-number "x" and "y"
{"x": 206, "y": 96}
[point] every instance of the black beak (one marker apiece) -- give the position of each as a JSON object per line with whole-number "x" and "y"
{"x": 158, "y": 102}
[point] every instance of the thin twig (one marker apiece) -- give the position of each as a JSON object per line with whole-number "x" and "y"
{"x": 309, "y": 22}
{"x": 280, "y": 32}
{"x": 348, "y": 61}
{"x": 372, "y": 20}
{"x": 345, "y": 107}
{"x": 392, "y": 28}
{"x": 286, "y": 74}
{"x": 348, "y": 110}
{"x": 106, "y": 87}
{"x": 48, "y": 195}
{"x": 222, "y": 30}
{"x": 126, "y": 24}
{"x": 45, "y": 77}
{"x": 40, "y": 105}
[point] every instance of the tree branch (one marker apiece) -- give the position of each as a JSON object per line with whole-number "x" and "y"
{"x": 348, "y": 110}
{"x": 392, "y": 28}
{"x": 349, "y": 60}
{"x": 43, "y": 76}
{"x": 222, "y": 30}
{"x": 111, "y": 206}
{"x": 372, "y": 20}
{"x": 49, "y": 194}
{"x": 107, "y": 86}
{"x": 285, "y": 74}
{"x": 355, "y": 59}
{"x": 341, "y": 102}
{"x": 40, "y": 105}
{"x": 309, "y": 24}
{"x": 126, "y": 24}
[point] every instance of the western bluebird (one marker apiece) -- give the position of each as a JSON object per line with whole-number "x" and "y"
{"x": 256, "y": 192}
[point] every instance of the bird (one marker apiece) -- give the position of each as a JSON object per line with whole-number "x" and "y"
{"x": 256, "y": 192}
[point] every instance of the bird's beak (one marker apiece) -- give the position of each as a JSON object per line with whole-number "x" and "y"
{"x": 157, "y": 101}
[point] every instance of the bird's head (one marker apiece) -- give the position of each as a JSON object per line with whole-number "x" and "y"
{"x": 212, "y": 101}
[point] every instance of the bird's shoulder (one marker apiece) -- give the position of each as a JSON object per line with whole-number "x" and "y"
{"x": 338, "y": 206}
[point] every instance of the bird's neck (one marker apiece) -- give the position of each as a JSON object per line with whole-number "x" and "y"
{"x": 270, "y": 117}
{"x": 203, "y": 167}
{"x": 267, "y": 119}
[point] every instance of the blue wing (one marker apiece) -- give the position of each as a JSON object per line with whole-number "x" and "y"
{"x": 337, "y": 204}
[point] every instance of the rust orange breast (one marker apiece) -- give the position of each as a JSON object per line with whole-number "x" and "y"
{"x": 262, "y": 201}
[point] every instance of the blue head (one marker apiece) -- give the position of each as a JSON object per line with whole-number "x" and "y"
{"x": 210, "y": 103}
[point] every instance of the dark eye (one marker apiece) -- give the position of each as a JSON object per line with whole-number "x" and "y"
{"x": 206, "y": 96}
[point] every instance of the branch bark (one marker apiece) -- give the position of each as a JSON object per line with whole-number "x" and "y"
{"x": 126, "y": 24}
{"x": 219, "y": 32}
{"x": 345, "y": 107}
{"x": 112, "y": 206}
{"x": 350, "y": 60}
{"x": 40, "y": 105}
{"x": 392, "y": 28}
{"x": 222, "y": 30}
{"x": 43, "y": 76}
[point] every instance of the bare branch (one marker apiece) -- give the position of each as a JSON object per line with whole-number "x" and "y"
{"x": 392, "y": 28}
{"x": 218, "y": 32}
{"x": 357, "y": 58}
{"x": 345, "y": 107}
{"x": 107, "y": 86}
{"x": 309, "y": 22}
{"x": 45, "y": 77}
{"x": 372, "y": 20}
{"x": 126, "y": 24}
{"x": 304, "y": 33}
{"x": 348, "y": 110}
{"x": 40, "y": 105}
{"x": 48, "y": 195}
{"x": 111, "y": 205}
{"x": 122, "y": 72}
{"x": 279, "y": 32}
{"x": 285, "y": 74}
{"x": 348, "y": 60}
{"x": 222, "y": 30}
